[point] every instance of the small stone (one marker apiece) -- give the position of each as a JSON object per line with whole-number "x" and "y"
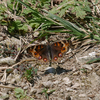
{"x": 87, "y": 66}
{"x": 82, "y": 84}
{"x": 47, "y": 84}
{"x": 62, "y": 90}
{"x": 76, "y": 85}
{"x": 67, "y": 81}
{"x": 54, "y": 93}
{"x": 76, "y": 73}
{"x": 36, "y": 34}
{"x": 56, "y": 82}
{"x": 69, "y": 89}
{"x": 92, "y": 54}
{"x": 7, "y": 60}
{"x": 87, "y": 58}
{"x": 26, "y": 87}
{"x": 82, "y": 95}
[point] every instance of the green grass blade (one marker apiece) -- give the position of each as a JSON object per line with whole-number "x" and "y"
{"x": 68, "y": 25}
{"x": 93, "y": 60}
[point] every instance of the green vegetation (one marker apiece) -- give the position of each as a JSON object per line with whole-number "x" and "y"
{"x": 77, "y": 17}
{"x": 83, "y": 70}
{"x": 94, "y": 60}
{"x": 47, "y": 93}
{"x": 78, "y": 8}
{"x": 20, "y": 94}
{"x": 18, "y": 16}
{"x": 30, "y": 73}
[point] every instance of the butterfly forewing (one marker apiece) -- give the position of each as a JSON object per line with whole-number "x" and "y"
{"x": 58, "y": 49}
{"x": 40, "y": 52}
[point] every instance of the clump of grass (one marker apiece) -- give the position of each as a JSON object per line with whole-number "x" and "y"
{"x": 30, "y": 73}
{"x": 47, "y": 93}
{"x": 20, "y": 94}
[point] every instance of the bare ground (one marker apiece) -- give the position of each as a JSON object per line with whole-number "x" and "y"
{"x": 72, "y": 80}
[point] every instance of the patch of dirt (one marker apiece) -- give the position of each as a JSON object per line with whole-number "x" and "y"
{"x": 71, "y": 80}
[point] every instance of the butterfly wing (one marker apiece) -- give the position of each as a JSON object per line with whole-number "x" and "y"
{"x": 58, "y": 49}
{"x": 51, "y": 52}
{"x": 40, "y": 52}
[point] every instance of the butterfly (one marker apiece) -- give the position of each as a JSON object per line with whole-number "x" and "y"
{"x": 50, "y": 52}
